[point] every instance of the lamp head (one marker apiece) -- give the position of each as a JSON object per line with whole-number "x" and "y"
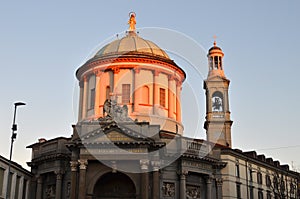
{"x": 20, "y": 104}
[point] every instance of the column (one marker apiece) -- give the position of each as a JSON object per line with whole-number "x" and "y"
{"x": 219, "y": 182}
{"x": 156, "y": 182}
{"x": 97, "y": 94}
{"x": 183, "y": 184}
{"x": 137, "y": 90}
{"x": 155, "y": 92}
{"x": 73, "y": 165}
{"x": 178, "y": 105}
{"x": 58, "y": 188}
{"x": 144, "y": 179}
{"x": 82, "y": 178}
{"x": 103, "y": 83}
{"x": 39, "y": 187}
{"x": 208, "y": 187}
{"x": 170, "y": 97}
{"x": 85, "y": 97}
{"x": 80, "y": 100}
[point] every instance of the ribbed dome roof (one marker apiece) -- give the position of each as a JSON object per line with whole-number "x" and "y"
{"x": 134, "y": 44}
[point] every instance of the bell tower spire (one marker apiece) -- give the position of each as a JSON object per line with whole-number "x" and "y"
{"x": 217, "y": 121}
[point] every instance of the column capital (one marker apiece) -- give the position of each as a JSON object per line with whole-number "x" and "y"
{"x": 144, "y": 164}
{"x": 137, "y": 69}
{"x": 219, "y": 182}
{"x": 178, "y": 83}
{"x": 39, "y": 179}
{"x": 156, "y": 72}
{"x": 83, "y": 164}
{"x": 85, "y": 78}
{"x": 74, "y": 165}
{"x": 208, "y": 179}
{"x": 171, "y": 77}
{"x": 183, "y": 173}
{"x": 98, "y": 73}
{"x": 116, "y": 69}
{"x": 59, "y": 174}
{"x": 155, "y": 165}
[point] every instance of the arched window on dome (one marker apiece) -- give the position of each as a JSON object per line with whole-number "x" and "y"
{"x": 217, "y": 102}
{"x": 145, "y": 95}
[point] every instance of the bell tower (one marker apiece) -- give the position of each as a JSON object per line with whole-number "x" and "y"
{"x": 217, "y": 121}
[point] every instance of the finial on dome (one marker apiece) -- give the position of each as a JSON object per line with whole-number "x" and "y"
{"x": 215, "y": 42}
{"x": 132, "y": 21}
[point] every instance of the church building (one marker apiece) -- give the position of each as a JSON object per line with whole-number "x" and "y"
{"x": 129, "y": 139}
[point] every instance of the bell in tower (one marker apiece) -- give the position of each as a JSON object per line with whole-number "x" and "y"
{"x": 218, "y": 122}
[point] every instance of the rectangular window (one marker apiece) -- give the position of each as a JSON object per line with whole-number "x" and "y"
{"x": 260, "y": 194}
{"x": 92, "y": 99}
{"x": 259, "y": 178}
{"x": 162, "y": 97}
{"x": 251, "y": 192}
{"x": 1, "y": 179}
{"x": 238, "y": 190}
{"x": 237, "y": 170}
{"x": 250, "y": 175}
{"x": 269, "y": 195}
{"x": 125, "y": 93}
{"x": 268, "y": 181}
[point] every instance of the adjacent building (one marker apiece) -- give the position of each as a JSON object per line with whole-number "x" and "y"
{"x": 15, "y": 180}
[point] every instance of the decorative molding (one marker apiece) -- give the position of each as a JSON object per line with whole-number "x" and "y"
{"x": 168, "y": 189}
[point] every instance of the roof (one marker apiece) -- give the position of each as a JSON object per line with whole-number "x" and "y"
{"x": 132, "y": 43}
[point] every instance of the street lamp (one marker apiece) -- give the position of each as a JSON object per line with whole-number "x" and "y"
{"x": 13, "y": 137}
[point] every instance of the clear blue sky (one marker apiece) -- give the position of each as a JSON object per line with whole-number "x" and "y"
{"x": 42, "y": 43}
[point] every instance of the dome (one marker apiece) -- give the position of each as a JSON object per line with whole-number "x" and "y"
{"x": 133, "y": 44}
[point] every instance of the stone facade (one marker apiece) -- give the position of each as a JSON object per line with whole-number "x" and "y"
{"x": 19, "y": 180}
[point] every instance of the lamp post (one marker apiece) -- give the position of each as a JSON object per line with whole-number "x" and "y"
{"x": 13, "y": 137}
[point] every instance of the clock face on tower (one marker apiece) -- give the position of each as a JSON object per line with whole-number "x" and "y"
{"x": 217, "y": 104}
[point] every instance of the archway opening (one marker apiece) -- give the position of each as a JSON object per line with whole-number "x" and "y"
{"x": 114, "y": 186}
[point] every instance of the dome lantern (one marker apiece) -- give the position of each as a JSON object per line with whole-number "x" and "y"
{"x": 215, "y": 60}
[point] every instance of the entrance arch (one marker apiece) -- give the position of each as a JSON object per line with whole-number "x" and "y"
{"x": 114, "y": 186}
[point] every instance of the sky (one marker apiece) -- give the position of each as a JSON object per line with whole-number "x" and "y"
{"x": 42, "y": 43}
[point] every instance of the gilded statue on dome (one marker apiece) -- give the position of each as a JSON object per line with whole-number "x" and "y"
{"x": 132, "y": 21}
